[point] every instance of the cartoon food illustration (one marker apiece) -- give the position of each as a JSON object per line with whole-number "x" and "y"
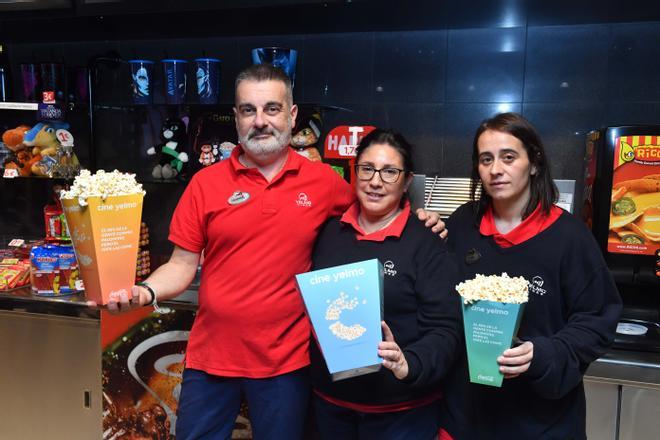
{"x": 635, "y": 214}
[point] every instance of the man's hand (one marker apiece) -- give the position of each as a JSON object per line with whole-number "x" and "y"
{"x": 393, "y": 357}
{"x": 517, "y": 360}
{"x": 432, "y": 220}
{"x": 119, "y": 302}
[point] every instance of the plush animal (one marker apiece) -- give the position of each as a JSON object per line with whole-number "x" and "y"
{"x": 42, "y": 138}
{"x": 209, "y": 154}
{"x": 44, "y": 143}
{"x": 22, "y": 161}
{"x": 305, "y": 136}
{"x": 13, "y": 138}
{"x": 172, "y": 151}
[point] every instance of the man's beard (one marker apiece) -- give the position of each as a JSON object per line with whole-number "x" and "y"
{"x": 278, "y": 142}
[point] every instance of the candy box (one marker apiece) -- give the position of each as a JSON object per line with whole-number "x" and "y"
{"x": 344, "y": 304}
{"x": 14, "y": 273}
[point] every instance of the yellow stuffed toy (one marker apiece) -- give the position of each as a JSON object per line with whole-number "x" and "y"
{"x": 44, "y": 143}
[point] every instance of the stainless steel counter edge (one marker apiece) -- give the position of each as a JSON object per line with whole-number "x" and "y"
{"x": 635, "y": 368}
{"x": 617, "y": 366}
{"x": 23, "y": 300}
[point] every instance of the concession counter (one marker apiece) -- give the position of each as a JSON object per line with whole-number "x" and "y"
{"x": 72, "y": 372}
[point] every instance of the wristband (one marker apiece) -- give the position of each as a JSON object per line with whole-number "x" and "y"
{"x": 151, "y": 291}
{"x": 154, "y": 301}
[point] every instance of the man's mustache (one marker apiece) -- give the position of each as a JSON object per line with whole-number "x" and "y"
{"x": 256, "y": 132}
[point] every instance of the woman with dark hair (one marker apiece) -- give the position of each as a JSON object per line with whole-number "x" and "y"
{"x": 421, "y": 325}
{"x": 513, "y": 226}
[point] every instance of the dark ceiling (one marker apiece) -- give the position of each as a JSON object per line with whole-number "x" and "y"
{"x": 122, "y": 19}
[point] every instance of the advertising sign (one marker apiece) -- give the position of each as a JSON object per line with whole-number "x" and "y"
{"x": 634, "y": 226}
{"x": 344, "y": 304}
{"x": 342, "y": 141}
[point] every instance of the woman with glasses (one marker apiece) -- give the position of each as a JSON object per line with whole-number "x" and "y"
{"x": 421, "y": 328}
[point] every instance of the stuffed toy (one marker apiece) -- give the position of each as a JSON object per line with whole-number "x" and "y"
{"x": 305, "y": 136}
{"x": 172, "y": 151}
{"x": 209, "y": 154}
{"x": 14, "y": 156}
{"x": 42, "y": 138}
{"x": 44, "y": 145}
{"x": 22, "y": 161}
{"x": 13, "y": 138}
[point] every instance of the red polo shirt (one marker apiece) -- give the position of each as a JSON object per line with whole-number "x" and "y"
{"x": 256, "y": 235}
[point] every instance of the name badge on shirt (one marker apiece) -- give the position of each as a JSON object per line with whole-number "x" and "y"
{"x": 238, "y": 197}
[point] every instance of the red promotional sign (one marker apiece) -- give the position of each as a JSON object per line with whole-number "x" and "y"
{"x": 342, "y": 141}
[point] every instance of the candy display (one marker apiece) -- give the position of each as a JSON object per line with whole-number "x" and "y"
{"x": 53, "y": 270}
{"x": 14, "y": 273}
{"x": 143, "y": 268}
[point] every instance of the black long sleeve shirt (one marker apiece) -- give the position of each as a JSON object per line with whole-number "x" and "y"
{"x": 570, "y": 318}
{"x": 420, "y": 307}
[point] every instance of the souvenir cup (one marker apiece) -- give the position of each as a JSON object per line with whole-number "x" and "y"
{"x": 31, "y": 80}
{"x": 141, "y": 81}
{"x": 207, "y": 75}
{"x": 105, "y": 235}
{"x": 280, "y": 57}
{"x": 52, "y": 82}
{"x": 345, "y": 304}
{"x": 175, "y": 80}
{"x": 489, "y": 330}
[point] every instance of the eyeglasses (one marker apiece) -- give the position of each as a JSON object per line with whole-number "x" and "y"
{"x": 387, "y": 175}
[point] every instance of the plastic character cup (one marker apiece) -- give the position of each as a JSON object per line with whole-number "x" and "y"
{"x": 175, "y": 80}
{"x": 141, "y": 81}
{"x": 207, "y": 75}
{"x": 52, "y": 81}
{"x": 280, "y": 57}
{"x": 31, "y": 80}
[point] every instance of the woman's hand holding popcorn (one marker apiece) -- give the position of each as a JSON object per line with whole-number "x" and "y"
{"x": 393, "y": 357}
{"x": 515, "y": 361}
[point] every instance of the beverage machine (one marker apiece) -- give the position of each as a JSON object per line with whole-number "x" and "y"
{"x": 621, "y": 205}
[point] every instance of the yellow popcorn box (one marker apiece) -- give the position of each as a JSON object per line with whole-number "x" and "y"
{"x": 105, "y": 235}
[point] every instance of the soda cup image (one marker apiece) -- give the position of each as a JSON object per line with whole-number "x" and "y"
{"x": 105, "y": 235}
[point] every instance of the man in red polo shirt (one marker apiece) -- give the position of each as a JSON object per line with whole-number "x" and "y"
{"x": 256, "y": 217}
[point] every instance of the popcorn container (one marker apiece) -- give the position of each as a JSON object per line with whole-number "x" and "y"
{"x": 489, "y": 330}
{"x": 344, "y": 304}
{"x": 105, "y": 235}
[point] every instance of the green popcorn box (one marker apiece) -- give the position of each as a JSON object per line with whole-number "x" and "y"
{"x": 489, "y": 330}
